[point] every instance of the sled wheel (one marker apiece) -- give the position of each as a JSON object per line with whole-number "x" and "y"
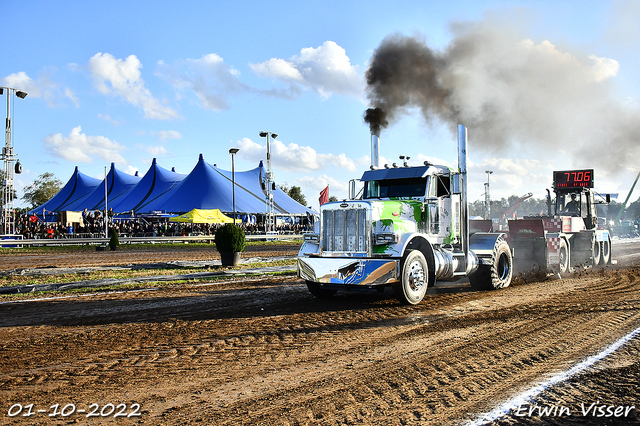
{"x": 497, "y": 272}
{"x": 564, "y": 258}
{"x": 415, "y": 276}
{"x": 605, "y": 259}
{"x": 597, "y": 253}
{"x": 319, "y": 292}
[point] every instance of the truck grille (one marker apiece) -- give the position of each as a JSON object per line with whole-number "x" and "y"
{"x": 344, "y": 230}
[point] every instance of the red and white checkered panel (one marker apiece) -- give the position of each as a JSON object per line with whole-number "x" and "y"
{"x": 553, "y": 244}
{"x": 552, "y": 225}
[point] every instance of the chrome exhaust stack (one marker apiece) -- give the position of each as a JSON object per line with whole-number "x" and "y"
{"x": 375, "y": 151}
{"x": 471, "y": 258}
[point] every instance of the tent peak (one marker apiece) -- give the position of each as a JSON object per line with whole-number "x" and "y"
{"x": 201, "y": 158}
{"x": 153, "y": 161}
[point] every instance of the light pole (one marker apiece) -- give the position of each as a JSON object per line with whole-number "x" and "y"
{"x": 8, "y": 156}
{"x": 269, "y": 183}
{"x": 487, "y": 197}
{"x": 233, "y": 152}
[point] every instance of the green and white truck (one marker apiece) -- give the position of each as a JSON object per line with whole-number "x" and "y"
{"x": 409, "y": 229}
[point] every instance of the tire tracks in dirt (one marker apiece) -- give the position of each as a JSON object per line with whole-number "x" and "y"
{"x": 269, "y": 353}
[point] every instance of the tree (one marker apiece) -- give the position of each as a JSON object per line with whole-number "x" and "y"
{"x": 294, "y": 192}
{"x": 333, "y": 198}
{"x": 41, "y": 190}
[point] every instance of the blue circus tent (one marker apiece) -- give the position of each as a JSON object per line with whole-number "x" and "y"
{"x": 118, "y": 183}
{"x": 76, "y": 188}
{"x": 253, "y": 182}
{"x": 160, "y": 190}
{"x": 205, "y": 188}
{"x": 155, "y": 183}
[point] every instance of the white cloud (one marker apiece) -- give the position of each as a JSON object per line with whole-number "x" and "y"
{"x": 122, "y": 78}
{"x": 167, "y": 134}
{"x": 604, "y": 68}
{"x": 212, "y": 81}
{"x": 78, "y": 147}
{"x": 326, "y": 70}
{"x": 293, "y": 157}
{"x": 154, "y": 150}
{"x": 318, "y": 183}
{"x": 131, "y": 170}
{"x": 43, "y": 88}
{"x": 109, "y": 119}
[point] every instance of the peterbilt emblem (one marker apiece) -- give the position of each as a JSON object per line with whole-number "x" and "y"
{"x": 344, "y": 205}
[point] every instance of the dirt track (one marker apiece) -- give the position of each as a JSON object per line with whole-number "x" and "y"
{"x": 266, "y": 352}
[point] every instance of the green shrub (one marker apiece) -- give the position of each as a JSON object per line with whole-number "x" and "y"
{"x": 114, "y": 241}
{"x": 230, "y": 239}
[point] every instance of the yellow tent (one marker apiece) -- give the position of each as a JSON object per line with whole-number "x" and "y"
{"x": 203, "y": 216}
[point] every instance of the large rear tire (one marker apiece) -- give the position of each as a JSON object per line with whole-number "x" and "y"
{"x": 415, "y": 277}
{"x": 597, "y": 253}
{"x": 319, "y": 292}
{"x": 605, "y": 259}
{"x": 496, "y": 273}
{"x": 565, "y": 260}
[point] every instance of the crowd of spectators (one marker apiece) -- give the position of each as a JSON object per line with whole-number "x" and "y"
{"x": 93, "y": 226}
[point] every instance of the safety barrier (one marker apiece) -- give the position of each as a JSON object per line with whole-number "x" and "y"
{"x": 137, "y": 240}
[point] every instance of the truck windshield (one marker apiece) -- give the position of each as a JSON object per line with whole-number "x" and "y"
{"x": 395, "y": 188}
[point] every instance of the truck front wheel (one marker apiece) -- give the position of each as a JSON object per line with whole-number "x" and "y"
{"x": 415, "y": 276}
{"x": 497, "y": 272}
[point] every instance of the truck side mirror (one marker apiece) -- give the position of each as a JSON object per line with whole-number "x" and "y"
{"x": 455, "y": 183}
{"x": 608, "y": 198}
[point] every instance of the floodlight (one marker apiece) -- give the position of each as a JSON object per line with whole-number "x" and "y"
{"x": 21, "y": 94}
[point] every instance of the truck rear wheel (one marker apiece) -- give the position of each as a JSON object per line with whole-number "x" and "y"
{"x": 497, "y": 272}
{"x": 319, "y": 292}
{"x": 415, "y": 276}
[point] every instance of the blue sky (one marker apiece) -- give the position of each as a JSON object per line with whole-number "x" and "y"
{"x": 124, "y": 82}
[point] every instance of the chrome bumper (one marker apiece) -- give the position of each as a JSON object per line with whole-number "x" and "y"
{"x": 348, "y": 271}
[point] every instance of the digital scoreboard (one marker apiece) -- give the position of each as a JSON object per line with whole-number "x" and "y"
{"x": 573, "y": 179}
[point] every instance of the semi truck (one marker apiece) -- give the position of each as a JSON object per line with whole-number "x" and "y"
{"x": 567, "y": 237}
{"x": 408, "y": 229}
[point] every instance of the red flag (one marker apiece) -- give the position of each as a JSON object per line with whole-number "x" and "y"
{"x": 324, "y": 195}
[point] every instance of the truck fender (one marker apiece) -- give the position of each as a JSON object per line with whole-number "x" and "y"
{"x": 416, "y": 241}
{"x": 482, "y": 243}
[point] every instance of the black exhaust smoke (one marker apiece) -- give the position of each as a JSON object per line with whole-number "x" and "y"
{"x": 511, "y": 92}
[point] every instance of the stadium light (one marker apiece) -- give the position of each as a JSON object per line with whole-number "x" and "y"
{"x": 269, "y": 184}
{"x": 8, "y": 215}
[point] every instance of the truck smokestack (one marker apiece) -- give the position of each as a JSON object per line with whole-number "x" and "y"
{"x": 462, "y": 169}
{"x": 377, "y": 120}
{"x": 375, "y": 151}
